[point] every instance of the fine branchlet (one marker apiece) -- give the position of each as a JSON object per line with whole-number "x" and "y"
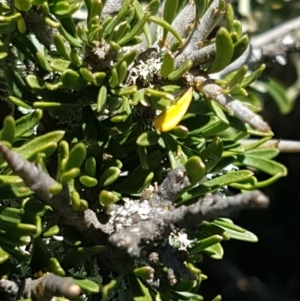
{"x": 283, "y": 146}
{"x": 213, "y": 91}
{"x": 199, "y": 33}
{"x": 267, "y": 46}
{"x": 45, "y": 288}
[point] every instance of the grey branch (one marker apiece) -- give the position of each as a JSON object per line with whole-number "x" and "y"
{"x": 111, "y": 7}
{"x": 275, "y": 33}
{"x": 212, "y": 91}
{"x": 284, "y": 146}
{"x": 156, "y": 224}
{"x": 135, "y": 223}
{"x": 33, "y": 175}
{"x": 266, "y": 46}
{"x": 272, "y": 51}
{"x": 40, "y": 183}
{"x": 202, "y": 28}
{"x": 183, "y": 23}
{"x": 41, "y": 289}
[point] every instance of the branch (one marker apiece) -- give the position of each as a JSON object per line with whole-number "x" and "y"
{"x": 275, "y": 33}
{"x": 133, "y": 224}
{"x": 111, "y": 7}
{"x": 271, "y": 51}
{"x": 183, "y": 22}
{"x": 284, "y": 146}
{"x": 41, "y": 289}
{"x": 205, "y": 26}
{"x": 262, "y": 47}
{"x": 148, "y": 223}
{"x": 41, "y": 183}
{"x": 212, "y": 91}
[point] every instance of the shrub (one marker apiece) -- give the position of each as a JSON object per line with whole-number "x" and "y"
{"x": 124, "y": 151}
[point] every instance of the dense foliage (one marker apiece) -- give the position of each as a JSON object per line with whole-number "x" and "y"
{"x": 139, "y": 146}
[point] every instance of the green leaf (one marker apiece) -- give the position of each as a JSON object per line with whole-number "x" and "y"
{"x": 278, "y": 93}
{"x": 235, "y": 232}
{"x": 46, "y": 143}
{"x": 153, "y": 6}
{"x": 195, "y": 169}
{"x": 266, "y": 165}
{"x": 187, "y": 296}
{"x": 90, "y": 166}
{"x": 138, "y": 290}
{"x": 60, "y": 47}
{"x": 175, "y": 153}
{"x": 181, "y": 71}
{"x": 109, "y": 176}
{"x": 135, "y": 30}
{"x": 11, "y": 219}
{"x": 55, "y": 267}
{"x": 69, "y": 175}
{"x": 166, "y": 26}
{"x": 43, "y": 62}
{"x": 229, "y": 17}
{"x": 239, "y": 47}
{"x": 147, "y": 138}
{"x": 224, "y": 51}
{"x": 9, "y": 129}
{"x": 167, "y": 66}
{"x": 72, "y": 80}
{"x": 140, "y": 13}
{"x": 23, "y": 5}
{"x": 78, "y": 255}
{"x": 76, "y": 157}
{"x": 3, "y": 256}
{"x": 170, "y": 10}
{"x": 214, "y": 184}
{"x": 212, "y": 154}
{"x": 60, "y": 65}
{"x": 145, "y": 272}
{"x": 88, "y": 285}
{"x": 142, "y": 151}
{"x": 107, "y": 198}
{"x": 248, "y": 80}
{"x": 88, "y": 181}
{"x": 205, "y": 243}
{"x": 266, "y": 153}
{"x": 215, "y": 251}
{"x": 207, "y": 229}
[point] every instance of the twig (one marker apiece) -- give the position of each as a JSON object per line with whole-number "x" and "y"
{"x": 183, "y": 22}
{"x": 262, "y": 47}
{"x": 111, "y": 7}
{"x": 271, "y": 51}
{"x": 206, "y": 24}
{"x": 41, "y": 289}
{"x": 212, "y": 91}
{"x": 284, "y": 146}
{"x": 41, "y": 183}
{"x": 275, "y": 33}
{"x": 135, "y": 223}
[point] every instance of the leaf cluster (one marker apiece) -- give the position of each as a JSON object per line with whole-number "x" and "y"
{"x": 110, "y": 109}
